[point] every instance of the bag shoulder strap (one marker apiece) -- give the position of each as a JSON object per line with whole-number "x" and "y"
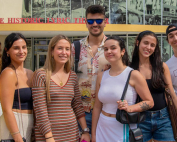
{"x": 19, "y": 100}
{"x": 126, "y": 86}
{"x": 77, "y": 54}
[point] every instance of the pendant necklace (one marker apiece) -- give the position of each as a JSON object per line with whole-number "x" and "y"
{"x": 61, "y": 83}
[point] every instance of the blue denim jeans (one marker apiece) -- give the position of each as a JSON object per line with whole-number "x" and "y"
{"x": 88, "y": 118}
{"x": 157, "y": 126}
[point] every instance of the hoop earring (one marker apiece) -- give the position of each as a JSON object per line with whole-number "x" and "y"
{"x": 7, "y": 55}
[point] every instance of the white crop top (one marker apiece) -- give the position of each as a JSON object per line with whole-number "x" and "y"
{"x": 111, "y": 90}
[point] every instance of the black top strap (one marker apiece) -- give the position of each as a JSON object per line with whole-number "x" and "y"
{"x": 126, "y": 86}
{"x": 77, "y": 53}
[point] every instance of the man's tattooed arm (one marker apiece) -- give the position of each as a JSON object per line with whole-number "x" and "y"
{"x": 144, "y": 106}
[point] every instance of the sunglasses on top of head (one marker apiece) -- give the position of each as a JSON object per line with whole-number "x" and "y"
{"x": 91, "y": 21}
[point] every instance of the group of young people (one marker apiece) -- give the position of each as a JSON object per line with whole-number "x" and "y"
{"x": 65, "y": 104}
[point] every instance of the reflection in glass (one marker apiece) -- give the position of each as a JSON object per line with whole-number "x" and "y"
{"x": 38, "y": 10}
{"x": 159, "y": 39}
{"x": 28, "y": 61}
{"x": 42, "y": 59}
{"x": 76, "y": 10}
{"x": 105, "y": 4}
{"x": 26, "y": 9}
{"x": 118, "y": 11}
{"x": 131, "y": 43}
{"x": 51, "y": 10}
{"x": 153, "y": 12}
{"x": 86, "y": 4}
{"x": 64, "y": 9}
{"x": 169, "y": 12}
{"x": 135, "y": 11}
{"x": 166, "y": 50}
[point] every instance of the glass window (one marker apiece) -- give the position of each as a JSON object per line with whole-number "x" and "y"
{"x": 41, "y": 45}
{"x": 105, "y": 4}
{"x": 152, "y": 12}
{"x": 51, "y": 10}
{"x": 166, "y": 50}
{"x": 64, "y": 10}
{"x": 118, "y": 12}
{"x": 169, "y": 12}
{"x": 135, "y": 11}
{"x": 76, "y": 11}
{"x": 38, "y": 10}
{"x": 86, "y": 4}
{"x": 131, "y": 43}
{"x": 26, "y": 9}
{"x": 28, "y": 61}
{"x": 77, "y": 38}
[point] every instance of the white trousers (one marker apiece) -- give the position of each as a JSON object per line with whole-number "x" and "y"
{"x": 27, "y": 120}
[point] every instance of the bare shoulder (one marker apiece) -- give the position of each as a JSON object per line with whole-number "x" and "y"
{"x": 29, "y": 73}
{"x": 165, "y": 66}
{"x": 136, "y": 78}
{"x": 135, "y": 74}
{"x": 8, "y": 73}
{"x": 8, "y": 78}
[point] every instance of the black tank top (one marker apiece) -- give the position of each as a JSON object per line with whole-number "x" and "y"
{"x": 157, "y": 95}
{"x": 25, "y": 97}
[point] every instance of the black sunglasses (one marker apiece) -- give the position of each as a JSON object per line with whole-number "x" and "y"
{"x": 91, "y": 21}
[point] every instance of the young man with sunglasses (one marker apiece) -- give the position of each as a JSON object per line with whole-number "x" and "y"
{"x": 171, "y": 33}
{"x": 91, "y": 59}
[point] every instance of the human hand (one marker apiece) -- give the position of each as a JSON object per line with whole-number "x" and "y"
{"x": 18, "y": 137}
{"x": 85, "y": 137}
{"x": 93, "y": 138}
{"x": 123, "y": 105}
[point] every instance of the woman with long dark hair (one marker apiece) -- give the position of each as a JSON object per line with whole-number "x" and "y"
{"x": 15, "y": 91}
{"x": 147, "y": 59}
{"x": 109, "y": 88}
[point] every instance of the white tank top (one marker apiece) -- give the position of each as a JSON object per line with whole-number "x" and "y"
{"x": 111, "y": 90}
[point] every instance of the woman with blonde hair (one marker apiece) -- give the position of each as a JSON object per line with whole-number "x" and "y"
{"x": 57, "y": 101}
{"x": 15, "y": 91}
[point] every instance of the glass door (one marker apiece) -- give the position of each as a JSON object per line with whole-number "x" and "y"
{"x": 41, "y": 57}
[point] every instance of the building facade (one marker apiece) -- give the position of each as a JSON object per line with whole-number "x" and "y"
{"x": 39, "y": 20}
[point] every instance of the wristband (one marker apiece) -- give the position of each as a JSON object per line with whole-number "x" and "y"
{"x": 15, "y": 133}
{"x": 49, "y": 137}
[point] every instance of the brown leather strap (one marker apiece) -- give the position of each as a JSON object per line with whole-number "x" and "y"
{"x": 19, "y": 100}
{"x": 108, "y": 114}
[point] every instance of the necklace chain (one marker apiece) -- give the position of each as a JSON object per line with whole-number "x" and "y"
{"x": 61, "y": 83}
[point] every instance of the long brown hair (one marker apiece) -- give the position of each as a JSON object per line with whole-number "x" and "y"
{"x": 49, "y": 65}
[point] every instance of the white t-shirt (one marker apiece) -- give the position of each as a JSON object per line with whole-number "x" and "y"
{"x": 172, "y": 65}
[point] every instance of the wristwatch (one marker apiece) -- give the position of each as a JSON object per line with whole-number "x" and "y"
{"x": 86, "y": 130}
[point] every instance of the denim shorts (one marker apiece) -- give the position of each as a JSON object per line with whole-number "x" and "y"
{"x": 88, "y": 117}
{"x": 157, "y": 126}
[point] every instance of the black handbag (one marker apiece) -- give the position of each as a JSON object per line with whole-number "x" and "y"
{"x": 135, "y": 135}
{"x": 125, "y": 117}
